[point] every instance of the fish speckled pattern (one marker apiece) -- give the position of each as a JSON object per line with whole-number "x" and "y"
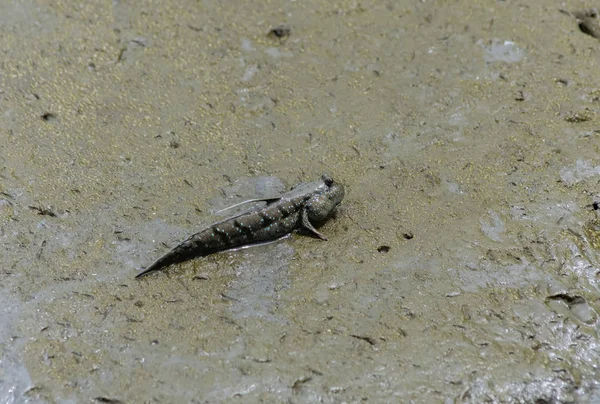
{"x": 298, "y": 208}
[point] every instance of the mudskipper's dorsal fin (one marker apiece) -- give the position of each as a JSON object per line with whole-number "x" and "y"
{"x": 267, "y": 200}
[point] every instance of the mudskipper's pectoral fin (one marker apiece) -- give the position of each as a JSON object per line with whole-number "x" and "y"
{"x": 267, "y": 200}
{"x": 308, "y": 225}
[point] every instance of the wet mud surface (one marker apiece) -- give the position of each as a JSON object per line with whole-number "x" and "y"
{"x": 462, "y": 266}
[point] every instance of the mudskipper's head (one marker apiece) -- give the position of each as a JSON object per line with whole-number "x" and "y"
{"x": 322, "y": 203}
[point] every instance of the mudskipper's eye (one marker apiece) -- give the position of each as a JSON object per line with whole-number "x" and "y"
{"x": 327, "y": 180}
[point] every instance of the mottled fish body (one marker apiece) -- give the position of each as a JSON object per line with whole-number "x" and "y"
{"x": 305, "y": 203}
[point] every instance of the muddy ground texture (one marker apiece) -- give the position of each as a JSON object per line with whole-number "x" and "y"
{"x": 463, "y": 265}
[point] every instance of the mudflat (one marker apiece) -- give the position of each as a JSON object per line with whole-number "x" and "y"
{"x": 462, "y": 265}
